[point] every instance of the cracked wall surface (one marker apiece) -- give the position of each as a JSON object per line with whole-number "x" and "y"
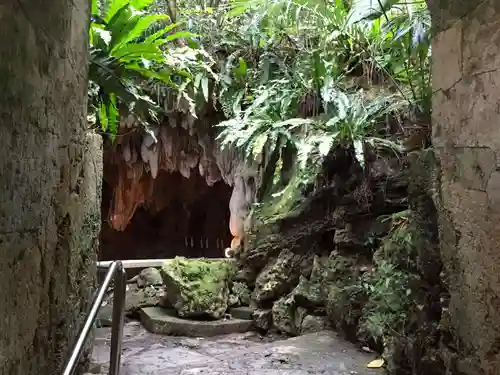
{"x": 50, "y": 183}
{"x": 466, "y": 137}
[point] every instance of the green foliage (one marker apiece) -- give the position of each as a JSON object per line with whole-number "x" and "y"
{"x": 297, "y": 75}
{"x": 132, "y": 52}
{"x": 399, "y": 246}
{"x": 303, "y": 75}
{"x": 390, "y": 297}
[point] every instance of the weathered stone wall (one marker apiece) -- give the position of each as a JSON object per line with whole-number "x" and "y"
{"x": 466, "y": 137}
{"x": 50, "y": 183}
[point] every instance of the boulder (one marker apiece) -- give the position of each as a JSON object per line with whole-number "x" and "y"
{"x": 198, "y": 288}
{"x": 278, "y": 277}
{"x": 135, "y": 299}
{"x": 308, "y": 293}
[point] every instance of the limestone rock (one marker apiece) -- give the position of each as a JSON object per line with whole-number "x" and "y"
{"x": 278, "y": 277}
{"x": 240, "y": 293}
{"x": 198, "y": 288}
{"x": 246, "y": 275}
{"x": 312, "y": 323}
{"x": 137, "y": 298}
{"x": 334, "y": 301}
{"x": 310, "y": 292}
{"x": 233, "y": 300}
{"x": 287, "y": 316}
{"x": 348, "y": 239}
{"x": 149, "y": 276}
{"x": 262, "y": 319}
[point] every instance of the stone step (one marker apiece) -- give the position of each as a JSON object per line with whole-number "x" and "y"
{"x": 163, "y": 321}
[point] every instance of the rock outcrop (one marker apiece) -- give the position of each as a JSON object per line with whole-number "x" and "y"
{"x": 352, "y": 257}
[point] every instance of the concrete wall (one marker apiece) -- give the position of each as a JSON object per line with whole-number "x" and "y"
{"x": 50, "y": 183}
{"x": 466, "y": 137}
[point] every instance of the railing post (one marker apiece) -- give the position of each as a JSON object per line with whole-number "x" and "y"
{"x": 118, "y": 319}
{"x": 76, "y": 351}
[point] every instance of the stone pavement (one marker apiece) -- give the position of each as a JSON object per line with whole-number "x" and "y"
{"x": 235, "y": 354}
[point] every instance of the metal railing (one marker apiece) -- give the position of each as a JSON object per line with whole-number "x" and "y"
{"x": 117, "y": 273}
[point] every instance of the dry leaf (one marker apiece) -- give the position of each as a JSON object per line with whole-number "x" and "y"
{"x": 376, "y": 363}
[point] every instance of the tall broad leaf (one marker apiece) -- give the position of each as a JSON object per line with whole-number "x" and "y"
{"x": 368, "y": 9}
{"x": 114, "y": 6}
{"x": 135, "y": 28}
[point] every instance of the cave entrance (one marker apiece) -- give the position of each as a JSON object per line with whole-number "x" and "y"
{"x": 184, "y": 217}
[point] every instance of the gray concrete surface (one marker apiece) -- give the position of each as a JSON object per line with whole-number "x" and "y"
{"x": 145, "y": 353}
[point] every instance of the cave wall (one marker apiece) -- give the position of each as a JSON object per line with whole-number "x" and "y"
{"x": 184, "y": 216}
{"x": 466, "y": 137}
{"x": 173, "y": 190}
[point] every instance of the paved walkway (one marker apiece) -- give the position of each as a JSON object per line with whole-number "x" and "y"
{"x": 236, "y": 354}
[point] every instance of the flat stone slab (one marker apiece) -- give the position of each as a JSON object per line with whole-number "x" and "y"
{"x": 248, "y": 353}
{"x": 162, "y": 321}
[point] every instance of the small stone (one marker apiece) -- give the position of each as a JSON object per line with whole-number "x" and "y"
{"x": 262, "y": 319}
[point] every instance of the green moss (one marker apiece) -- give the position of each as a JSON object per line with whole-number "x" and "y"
{"x": 286, "y": 201}
{"x": 198, "y": 288}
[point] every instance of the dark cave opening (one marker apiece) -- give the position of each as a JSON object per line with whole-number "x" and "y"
{"x": 184, "y": 217}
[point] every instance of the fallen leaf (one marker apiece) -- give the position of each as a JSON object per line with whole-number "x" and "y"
{"x": 376, "y": 363}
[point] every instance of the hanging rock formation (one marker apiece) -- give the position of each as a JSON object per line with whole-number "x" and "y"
{"x": 135, "y": 164}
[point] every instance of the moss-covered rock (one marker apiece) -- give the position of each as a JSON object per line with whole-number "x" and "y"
{"x": 283, "y": 315}
{"x": 198, "y": 288}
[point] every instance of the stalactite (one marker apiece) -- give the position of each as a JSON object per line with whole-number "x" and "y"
{"x": 184, "y": 144}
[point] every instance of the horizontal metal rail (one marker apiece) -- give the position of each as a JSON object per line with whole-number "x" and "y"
{"x": 117, "y": 273}
{"x": 145, "y": 263}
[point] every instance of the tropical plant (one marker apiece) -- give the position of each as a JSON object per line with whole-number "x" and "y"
{"x": 131, "y": 56}
{"x": 297, "y": 75}
{"x": 312, "y": 76}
